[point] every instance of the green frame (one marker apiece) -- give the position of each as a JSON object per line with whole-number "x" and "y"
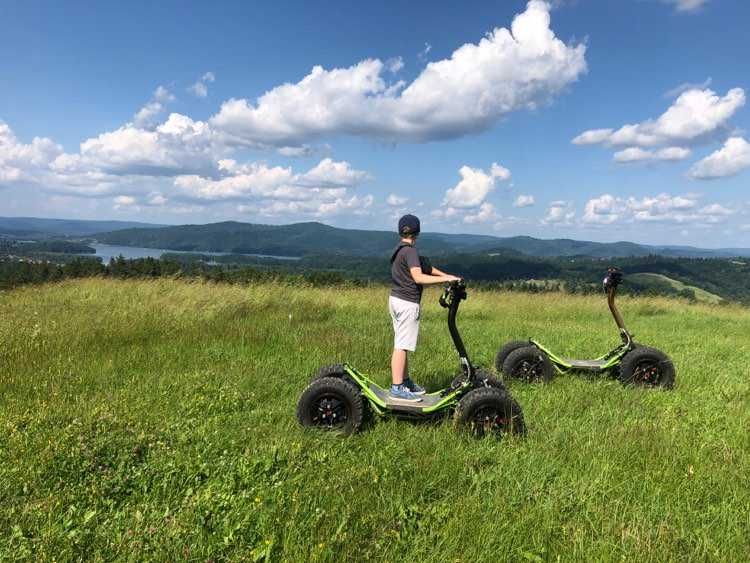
{"x": 364, "y": 382}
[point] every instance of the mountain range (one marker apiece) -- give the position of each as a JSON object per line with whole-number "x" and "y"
{"x": 313, "y": 238}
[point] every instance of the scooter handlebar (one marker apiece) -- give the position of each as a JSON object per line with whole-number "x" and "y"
{"x": 612, "y": 279}
{"x": 455, "y": 289}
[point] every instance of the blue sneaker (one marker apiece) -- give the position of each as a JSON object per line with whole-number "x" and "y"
{"x": 413, "y": 387}
{"x": 402, "y": 394}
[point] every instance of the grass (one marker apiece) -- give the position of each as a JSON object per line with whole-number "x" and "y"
{"x": 659, "y": 280}
{"x": 155, "y": 421}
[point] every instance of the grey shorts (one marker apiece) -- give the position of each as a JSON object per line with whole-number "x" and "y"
{"x": 405, "y": 316}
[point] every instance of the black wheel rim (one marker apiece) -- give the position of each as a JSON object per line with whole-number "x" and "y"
{"x": 491, "y": 419}
{"x": 330, "y": 410}
{"x": 647, "y": 372}
{"x": 529, "y": 369}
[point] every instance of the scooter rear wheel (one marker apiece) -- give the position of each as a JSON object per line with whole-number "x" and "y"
{"x": 505, "y": 350}
{"x": 331, "y": 403}
{"x": 528, "y": 364}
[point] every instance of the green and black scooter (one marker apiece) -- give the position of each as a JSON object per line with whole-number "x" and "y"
{"x": 631, "y": 363}
{"x": 340, "y": 396}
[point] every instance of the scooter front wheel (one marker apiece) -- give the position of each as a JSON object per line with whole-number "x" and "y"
{"x": 489, "y": 411}
{"x": 647, "y": 367}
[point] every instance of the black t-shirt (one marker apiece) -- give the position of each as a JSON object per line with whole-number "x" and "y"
{"x": 403, "y": 285}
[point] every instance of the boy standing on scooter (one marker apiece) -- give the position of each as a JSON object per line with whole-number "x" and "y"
{"x": 409, "y": 273}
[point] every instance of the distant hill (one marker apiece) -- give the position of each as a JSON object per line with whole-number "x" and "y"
{"x": 303, "y": 239}
{"x": 658, "y": 280}
{"x": 298, "y": 239}
{"x": 33, "y": 227}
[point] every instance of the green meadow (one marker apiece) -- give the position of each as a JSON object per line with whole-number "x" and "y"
{"x": 154, "y": 420}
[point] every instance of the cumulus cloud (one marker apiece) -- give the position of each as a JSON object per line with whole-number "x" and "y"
{"x": 23, "y": 163}
{"x": 302, "y": 150}
{"x": 687, "y": 6}
{"x": 524, "y": 201}
{"x": 731, "y": 159}
{"x": 474, "y": 186}
{"x": 354, "y": 204}
{"x": 177, "y": 145}
{"x": 685, "y": 86}
{"x": 200, "y": 88}
{"x": 422, "y": 55}
{"x": 178, "y": 163}
{"x": 608, "y": 209}
{"x": 637, "y": 154}
{"x": 395, "y": 201}
{"x": 694, "y": 115}
{"x": 275, "y": 190}
{"x": 329, "y": 173}
{"x": 506, "y": 71}
{"x": 559, "y": 213}
{"x": 147, "y": 115}
{"x": 484, "y": 214}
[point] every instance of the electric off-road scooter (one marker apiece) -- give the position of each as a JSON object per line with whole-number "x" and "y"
{"x": 631, "y": 363}
{"x": 340, "y": 396}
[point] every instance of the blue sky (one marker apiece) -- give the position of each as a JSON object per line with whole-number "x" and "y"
{"x": 595, "y": 119}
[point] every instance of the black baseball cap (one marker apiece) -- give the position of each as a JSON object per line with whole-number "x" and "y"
{"x": 408, "y": 225}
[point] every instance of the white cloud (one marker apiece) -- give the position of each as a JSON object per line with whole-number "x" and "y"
{"x": 325, "y": 184}
{"x": 603, "y": 210}
{"x": 685, "y": 86}
{"x": 176, "y": 146}
{"x": 174, "y": 163}
{"x": 485, "y": 214}
{"x": 146, "y": 116}
{"x": 303, "y": 150}
{"x": 694, "y": 115}
{"x": 731, "y": 159}
{"x": 686, "y": 5}
{"x": 200, "y": 88}
{"x": 474, "y": 186}
{"x": 559, "y": 213}
{"x": 394, "y": 65}
{"x": 23, "y": 163}
{"x": 506, "y": 71}
{"x": 637, "y": 154}
{"x": 524, "y": 201}
{"x": 422, "y": 55}
{"x": 354, "y": 204}
{"x": 125, "y": 200}
{"x": 395, "y": 201}
{"x": 329, "y": 173}
{"x": 157, "y": 199}
{"x": 608, "y": 209}
{"x": 125, "y": 203}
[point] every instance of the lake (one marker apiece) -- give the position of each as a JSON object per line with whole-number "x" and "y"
{"x": 108, "y": 251}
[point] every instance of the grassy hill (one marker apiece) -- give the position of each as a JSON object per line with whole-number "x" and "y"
{"x": 658, "y": 280}
{"x": 35, "y": 227}
{"x": 155, "y": 421}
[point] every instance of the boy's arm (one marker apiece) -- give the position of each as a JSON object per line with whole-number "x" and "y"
{"x": 427, "y": 279}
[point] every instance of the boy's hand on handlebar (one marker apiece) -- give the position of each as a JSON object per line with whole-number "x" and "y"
{"x": 450, "y": 278}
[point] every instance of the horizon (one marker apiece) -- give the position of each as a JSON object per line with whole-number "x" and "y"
{"x": 584, "y": 120}
{"x": 319, "y": 222}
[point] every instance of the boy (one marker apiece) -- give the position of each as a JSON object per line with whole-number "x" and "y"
{"x": 408, "y": 276}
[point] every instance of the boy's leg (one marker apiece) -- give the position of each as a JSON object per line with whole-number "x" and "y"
{"x": 399, "y": 366}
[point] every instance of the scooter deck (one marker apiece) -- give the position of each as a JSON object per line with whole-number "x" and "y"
{"x": 586, "y": 364}
{"x": 428, "y": 400}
